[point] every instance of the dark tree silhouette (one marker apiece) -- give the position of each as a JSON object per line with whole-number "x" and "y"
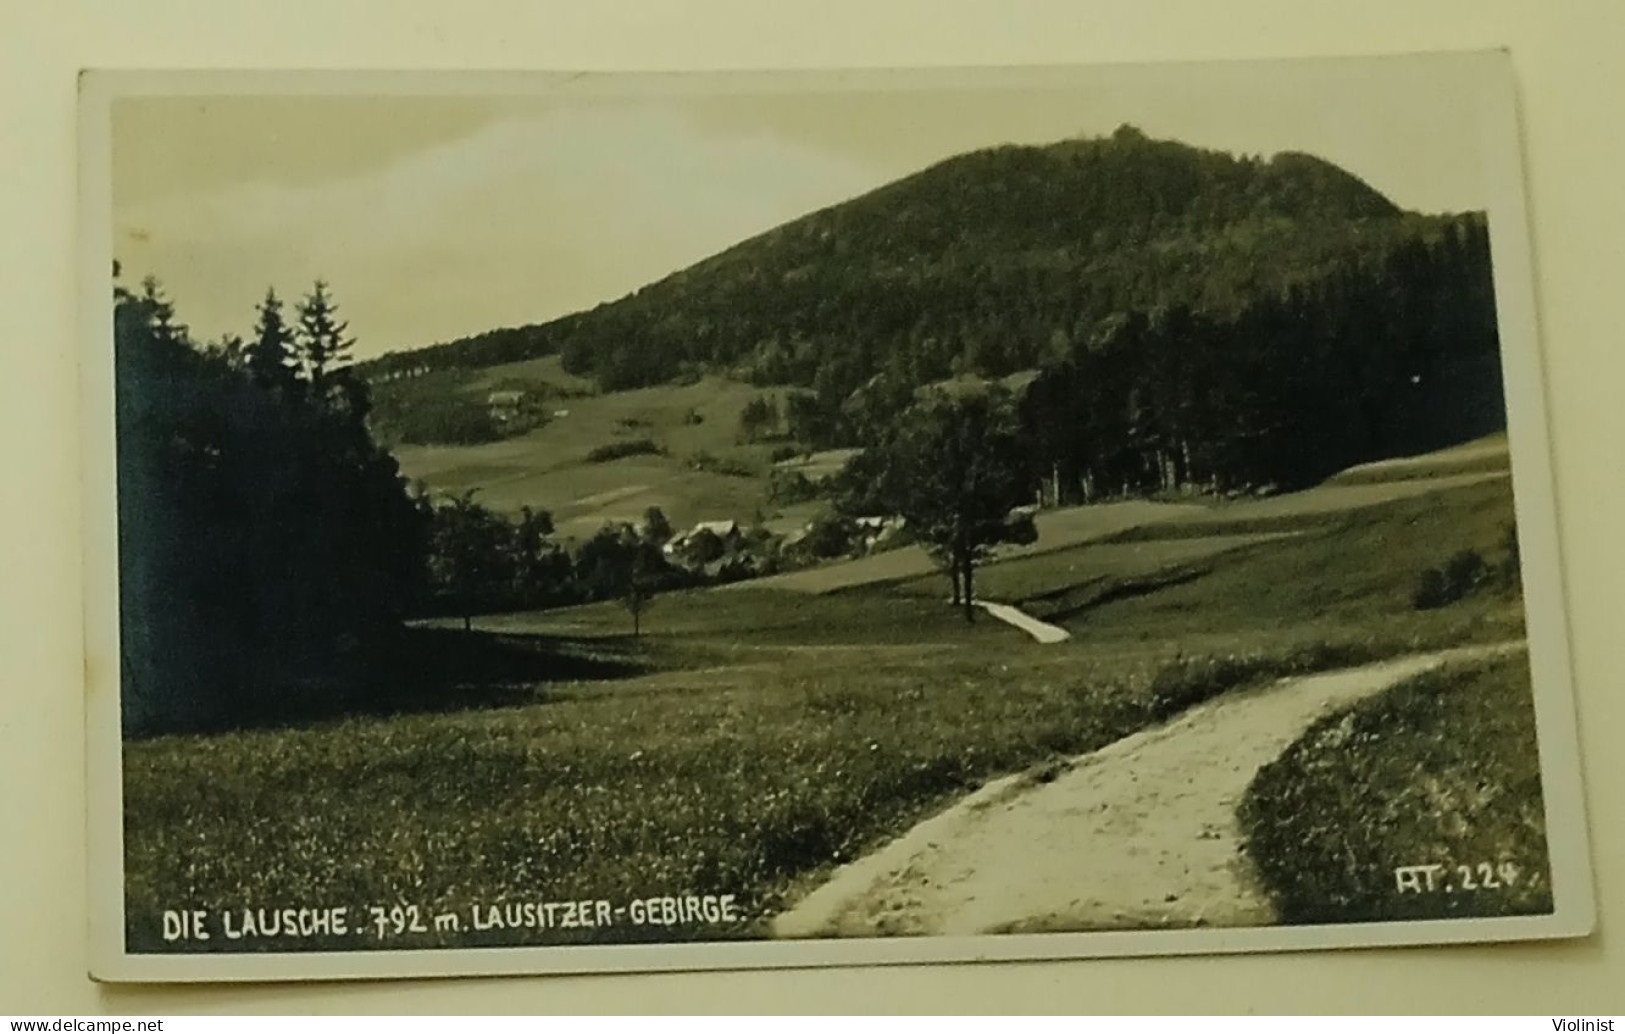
{"x": 656, "y": 528}
{"x": 1399, "y": 356}
{"x": 272, "y": 361}
{"x": 160, "y": 314}
{"x": 266, "y": 544}
{"x": 229, "y": 349}
{"x": 620, "y": 562}
{"x": 466, "y": 551}
{"x": 323, "y": 342}
{"x": 759, "y": 417}
{"x": 480, "y": 561}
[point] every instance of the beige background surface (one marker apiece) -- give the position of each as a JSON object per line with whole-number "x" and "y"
{"x": 1567, "y": 56}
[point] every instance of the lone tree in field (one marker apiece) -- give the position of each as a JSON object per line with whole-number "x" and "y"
{"x": 626, "y": 563}
{"x": 955, "y": 467}
{"x": 639, "y": 592}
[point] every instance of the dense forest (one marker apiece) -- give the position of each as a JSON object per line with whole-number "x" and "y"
{"x": 270, "y": 551}
{"x": 1396, "y": 357}
{"x": 265, "y": 542}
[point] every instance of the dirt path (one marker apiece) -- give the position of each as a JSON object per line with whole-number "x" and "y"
{"x": 1042, "y": 631}
{"x": 1139, "y": 834}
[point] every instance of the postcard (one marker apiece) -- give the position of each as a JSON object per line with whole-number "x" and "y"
{"x": 549, "y": 522}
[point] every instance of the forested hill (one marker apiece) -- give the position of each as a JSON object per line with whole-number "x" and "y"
{"x": 979, "y": 262}
{"x": 1078, "y": 259}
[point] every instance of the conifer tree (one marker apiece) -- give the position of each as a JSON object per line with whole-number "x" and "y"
{"x": 271, "y": 361}
{"x": 322, "y": 337}
{"x": 160, "y": 312}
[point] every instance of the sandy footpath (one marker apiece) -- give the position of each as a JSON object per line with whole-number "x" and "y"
{"x": 1139, "y": 834}
{"x": 1042, "y": 631}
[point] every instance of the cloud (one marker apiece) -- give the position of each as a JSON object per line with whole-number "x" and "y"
{"x": 526, "y": 219}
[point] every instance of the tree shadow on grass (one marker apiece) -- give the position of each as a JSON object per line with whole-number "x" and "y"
{"x": 445, "y": 670}
{"x": 1073, "y": 601}
{"x": 422, "y": 670}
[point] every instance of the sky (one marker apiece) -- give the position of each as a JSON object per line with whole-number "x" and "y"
{"x": 452, "y": 209}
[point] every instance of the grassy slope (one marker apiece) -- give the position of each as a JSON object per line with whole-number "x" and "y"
{"x": 1481, "y": 454}
{"x": 1057, "y": 529}
{"x": 781, "y": 734}
{"x": 1441, "y": 770}
{"x": 548, "y": 468}
{"x": 1341, "y": 573}
{"x": 1044, "y": 584}
{"x": 1143, "y": 521}
{"x": 546, "y": 372}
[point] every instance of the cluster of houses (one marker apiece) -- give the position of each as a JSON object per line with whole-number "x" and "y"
{"x": 725, "y": 548}
{"x": 866, "y": 535}
{"x": 727, "y": 533}
{"x": 722, "y": 551}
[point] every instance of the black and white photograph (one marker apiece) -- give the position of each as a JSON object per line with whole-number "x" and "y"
{"x": 568, "y": 522}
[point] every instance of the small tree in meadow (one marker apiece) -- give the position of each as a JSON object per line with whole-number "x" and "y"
{"x": 467, "y": 553}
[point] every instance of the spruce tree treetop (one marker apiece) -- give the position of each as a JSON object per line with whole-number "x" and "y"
{"x": 322, "y": 335}
{"x": 160, "y": 312}
{"x": 271, "y": 360}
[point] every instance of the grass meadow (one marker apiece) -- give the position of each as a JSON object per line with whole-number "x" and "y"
{"x": 552, "y": 462}
{"x": 1481, "y": 455}
{"x": 1441, "y": 770}
{"x": 754, "y": 738}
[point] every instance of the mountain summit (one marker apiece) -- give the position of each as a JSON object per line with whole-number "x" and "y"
{"x": 987, "y": 263}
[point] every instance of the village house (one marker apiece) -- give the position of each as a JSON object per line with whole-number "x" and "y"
{"x": 874, "y": 532}
{"x": 727, "y": 532}
{"x": 505, "y": 405}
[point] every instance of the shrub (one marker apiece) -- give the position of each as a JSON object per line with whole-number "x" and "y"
{"x": 714, "y": 464}
{"x": 790, "y": 486}
{"x": 829, "y": 536}
{"x": 1466, "y": 569}
{"x": 745, "y": 564}
{"x": 619, "y": 450}
{"x": 759, "y": 418}
{"x": 1511, "y": 570}
{"x": 450, "y": 421}
{"x": 1441, "y": 586}
{"x": 1430, "y": 592}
